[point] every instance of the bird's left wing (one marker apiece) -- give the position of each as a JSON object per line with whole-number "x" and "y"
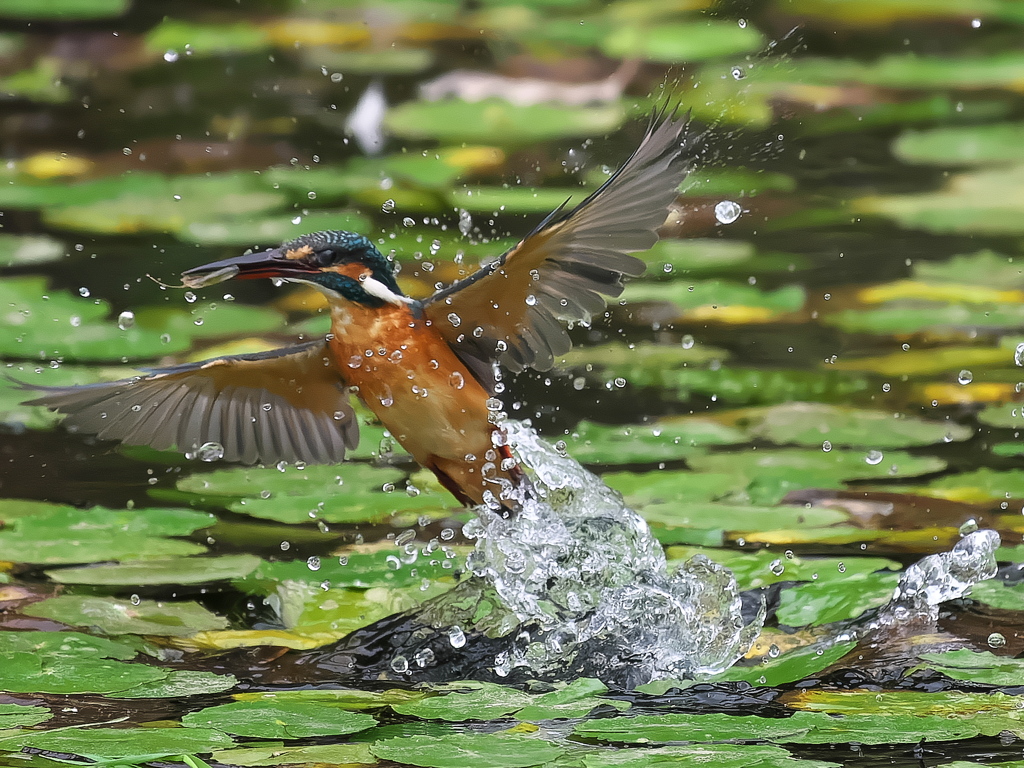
{"x": 510, "y": 310}
{"x": 289, "y": 404}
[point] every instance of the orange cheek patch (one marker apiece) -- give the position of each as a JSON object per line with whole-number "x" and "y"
{"x": 299, "y": 253}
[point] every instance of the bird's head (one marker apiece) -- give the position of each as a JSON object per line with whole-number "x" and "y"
{"x": 342, "y": 264}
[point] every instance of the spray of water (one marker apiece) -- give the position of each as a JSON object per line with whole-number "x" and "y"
{"x": 584, "y": 574}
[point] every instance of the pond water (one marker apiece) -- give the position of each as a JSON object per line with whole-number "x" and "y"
{"x": 817, "y": 383}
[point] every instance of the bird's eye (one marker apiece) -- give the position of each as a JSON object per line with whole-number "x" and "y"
{"x": 323, "y": 258}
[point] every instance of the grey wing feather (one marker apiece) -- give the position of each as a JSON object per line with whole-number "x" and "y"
{"x": 223, "y": 401}
{"x": 567, "y": 266}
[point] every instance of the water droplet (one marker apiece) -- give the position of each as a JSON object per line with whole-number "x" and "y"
{"x": 456, "y": 636}
{"x": 688, "y": 341}
{"x": 126, "y": 320}
{"x": 400, "y": 664}
{"x": 136, "y": 600}
{"x": 456, "y": 380}
{"x": 996, "y": 640}
{"x": 965, "y": 377}
{"x": 774, "y": 651}
{"x": 454, "y": 319}
{"x": 826, "y": 446}
{"x": 531, "y": 300}
{"x": 408, "y": 222}
{"x": 313, "y": 563}
{"x": 738, "y": 74}
{"x": 727, "y": 211}
{"x": 210, "y": 451}
{"x": 83, "y": 292}
{"x": 1018, "y": 355}
{"x": 874, "y": 457}
{"x": 494, "y": 404}
{"x": 386, "y": 398}
{"x": 742, "y": 23}
{"x": 465, "y": 222}
{"x": 424, "y": 657}
{"x": 969, "y": 527}
{"x": 776, "y": 567}
{"x": 170, "y": 55}
{"x": 388, "y": 206}
{"x": 190, "y": 297}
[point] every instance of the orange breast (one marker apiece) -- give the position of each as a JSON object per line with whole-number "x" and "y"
{"x": 421, "y": 392}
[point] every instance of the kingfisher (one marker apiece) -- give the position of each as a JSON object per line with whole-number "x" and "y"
{"x": 427, "y": 369}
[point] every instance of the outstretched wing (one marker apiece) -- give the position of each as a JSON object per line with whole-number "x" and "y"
{"x": 286, "y": 405}
{"x": 510, "y": 310}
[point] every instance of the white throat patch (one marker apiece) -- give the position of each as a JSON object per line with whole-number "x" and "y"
{"x": 376, "y": 288}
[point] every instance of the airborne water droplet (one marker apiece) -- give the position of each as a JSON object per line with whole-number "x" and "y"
{"x": 965, "y": 377}
{"x": 126, "y": 320}
{"x": 874, "y": 457}
{"x": 456, "y": 637}
{"x": 210, "y": 451}
{"x": 388, "y": 206}
{"x": 1018, "y": 355}
{"x": 727, "y": 211}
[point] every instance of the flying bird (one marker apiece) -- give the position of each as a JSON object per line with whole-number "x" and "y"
{"x": 424, "y": 368}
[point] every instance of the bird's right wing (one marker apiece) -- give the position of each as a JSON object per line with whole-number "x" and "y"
{"x": 289, "y": 404}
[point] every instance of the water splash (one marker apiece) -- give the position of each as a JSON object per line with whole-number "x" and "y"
{"x": 941, "y": 577}
{"x": 590, "y": 584}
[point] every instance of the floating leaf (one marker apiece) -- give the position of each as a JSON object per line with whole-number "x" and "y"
{"x": 992, "y": 144}
{"x": 265, "y": 720}
{"x": 811, "y": 424}
{"x": 788, "y": 667}
{"x": 69, "y": 662}
{"x": 55, "y": 534}
{"x": 925, "y": 362}
{"x": 949, "y": 703}
{"x": 274, "y": 755}
{"x": 270, "y": 230}
{"x": 17, "y": 715}
{"x": 720, "y": 301}
{"x": 674, "y": 43}
{"x": 981, "y": 268}
{"x": 485, "y": 121}
{"x": 838, "y": 600}
{"x": 663, "y": 440}
{"x": 574, "y": 700}
{"x": 179, "y": 682}
{"x": 718, "y": 755}
{"x": 63, "y": 10}
{"x": 259, "y": 481}
{"x": 646, "y": 357}
{"x": 123, "y": 745}
{"x": 25, "y": 250}
{"x": 468, "y": 750}
{"x": 979, "y": 485}
{"x": 205, "y": 39}
{"x": 488, "y": 200}
{"x": 985, "y": 668}
{"x": 698, "y": 728}
{"x": 121, "y": 617}
{"x": 171, "y": 570}
{"x": 466, "y": 701}
{"x": 1004, "y": 415}
{"x": 999, "y": 594}
{"x": 353, "y": 506}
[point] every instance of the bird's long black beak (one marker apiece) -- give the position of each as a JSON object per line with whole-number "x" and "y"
{"x": 273, "y": 263}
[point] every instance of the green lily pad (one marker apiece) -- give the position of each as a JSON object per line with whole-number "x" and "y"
{"x": 718, "y": 755}
{"x": 811, "y": 424}
{"x": 642, "y": 489}
{"x": 838, "y": 600}
{"x": 292, "y": 720}
{"x": 274, "y": 755}
{"x": 984, "y": 267}
{"x": 696, "y": 728}
{"x": 17, "y": 715}
{"x": 63, "y": 10}
{"x": 977, "y": 202}
{"x": 982, "y": 483}
{"x": 1004, "y": 415}
{"x": 270, "y": 481}
{"x": 484, "y": 121}
{"x": 992, "y": 144}
{"x": 360, "y": 570}
{"x": 789, "y": 667}
{"x": 618, "y": 357}
{"x": 468, "y": 750}
{"x": 663, "y": 440}
{"x": 179, "y": 682}
{"x": 904, "y": 318}
{"x": 270, "y": 230}
{"x": 985, "y": 667}
{"x": 123, "y": 745}
{"x": 121, "y": 617}
{"x": 346, "y": 698}
{"x": 675, "y": 43}
{"x": 740, "y": 182}
{"x": 466, "y": 701}
{"x": 54, "y": 534}
{"x": 999, "y": 594}
{"x": 739, "y": 517}
{"x": 38, "y": 323}
{"x": 726, "y": 299}
{"x": 935, "y": 361}
{"x": 170, "y": 570}
{"x": 69, "y": 662}
{"x": 962, "y": 704}
{"x": 26, "y": 250}
{"x": 205, "y": 39}
{"x": 142, "y": 202}
{"x": 351, "y": 507}
{"x": 382, "y": 61}
{"x": 488, "y": 200}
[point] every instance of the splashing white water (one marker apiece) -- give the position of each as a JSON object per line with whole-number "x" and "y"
{"x": 584, "y": 573}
